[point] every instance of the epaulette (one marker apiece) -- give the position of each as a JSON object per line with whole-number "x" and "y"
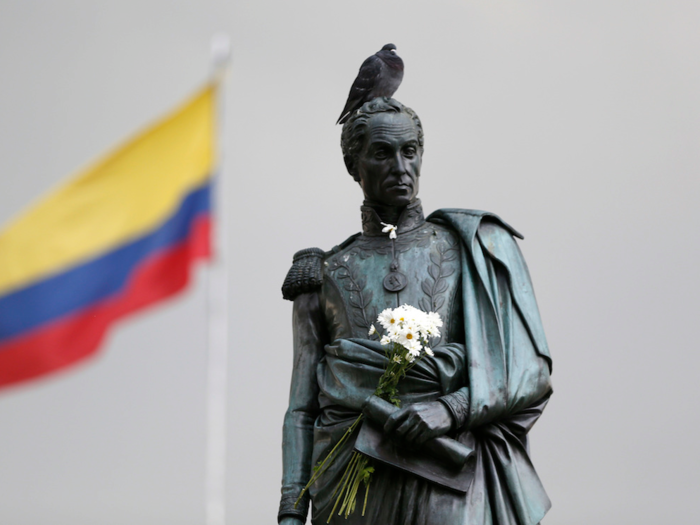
{"x": 305, "y": 274}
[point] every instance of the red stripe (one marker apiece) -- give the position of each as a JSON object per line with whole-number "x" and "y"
{"x": 74, "y": 337}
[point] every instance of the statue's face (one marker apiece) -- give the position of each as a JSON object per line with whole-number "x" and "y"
{"x": 389, "y": 164}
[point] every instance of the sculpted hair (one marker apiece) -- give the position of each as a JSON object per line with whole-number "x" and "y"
{"x": 352, "y": 138}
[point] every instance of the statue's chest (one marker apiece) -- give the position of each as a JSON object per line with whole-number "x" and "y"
{"x": 420, "y": 268}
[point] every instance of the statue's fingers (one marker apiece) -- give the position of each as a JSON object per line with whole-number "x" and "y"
{"x": 401, "y": 430}
{"x": 394, "y": 420}
{"x": 414, "y": 427}
{"x": 413, "y": 435}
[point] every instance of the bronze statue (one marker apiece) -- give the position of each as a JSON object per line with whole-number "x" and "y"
{"x": 487, "y": 384}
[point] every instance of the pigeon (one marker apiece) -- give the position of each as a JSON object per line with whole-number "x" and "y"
{"x": 379, "y": 76}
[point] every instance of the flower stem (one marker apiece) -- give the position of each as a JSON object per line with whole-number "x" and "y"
{"x": 364, "y": 507}
{"x": 328, "y": 461}
{"x": 355, "y": 471}
{"x": 348, "y": 472}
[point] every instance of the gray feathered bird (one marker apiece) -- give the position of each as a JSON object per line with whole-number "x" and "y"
{"x": 379, "y": 76}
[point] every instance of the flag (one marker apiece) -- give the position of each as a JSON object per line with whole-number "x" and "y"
{"x": 117, "y": 237}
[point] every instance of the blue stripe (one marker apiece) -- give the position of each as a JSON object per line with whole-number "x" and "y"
{"x": 98, "y": 279}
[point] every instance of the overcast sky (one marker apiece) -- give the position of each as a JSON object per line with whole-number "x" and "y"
{"x": 576, "y": 122}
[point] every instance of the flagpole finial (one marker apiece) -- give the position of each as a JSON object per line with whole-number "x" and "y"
{"x": 220, "y": 50}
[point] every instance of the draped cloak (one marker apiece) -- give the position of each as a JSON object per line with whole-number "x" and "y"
{"x": 503, "y": 369}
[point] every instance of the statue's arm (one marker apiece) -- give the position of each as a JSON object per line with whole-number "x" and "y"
{"x": 289, "y": 520}
{"x": 309, "y": 340}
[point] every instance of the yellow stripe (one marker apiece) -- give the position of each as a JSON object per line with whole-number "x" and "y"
{"x": 124, "y": 195}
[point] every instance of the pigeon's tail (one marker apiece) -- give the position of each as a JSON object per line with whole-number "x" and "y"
{"x": 350, "y": 106}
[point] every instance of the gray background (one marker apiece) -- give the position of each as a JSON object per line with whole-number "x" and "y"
{"x": 577, "y": 122}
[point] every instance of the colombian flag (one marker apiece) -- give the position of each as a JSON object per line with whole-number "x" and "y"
{"x": 115, "y": 238}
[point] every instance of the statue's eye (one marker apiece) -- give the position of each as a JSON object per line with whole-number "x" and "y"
{"x": 381, "y": 154}
{"x": 409, "y": 151}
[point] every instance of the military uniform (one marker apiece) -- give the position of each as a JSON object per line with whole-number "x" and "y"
{"x": 451, "y": 266}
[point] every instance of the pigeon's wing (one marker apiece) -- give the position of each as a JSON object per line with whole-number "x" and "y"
{"x": 366, "y": 77}
{"x": 365, "y": 81}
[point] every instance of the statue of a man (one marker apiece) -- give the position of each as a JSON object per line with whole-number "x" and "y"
{"x": 488, "y": 381}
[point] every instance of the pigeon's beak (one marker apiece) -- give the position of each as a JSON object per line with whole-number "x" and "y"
{"x": 393, "y": 51}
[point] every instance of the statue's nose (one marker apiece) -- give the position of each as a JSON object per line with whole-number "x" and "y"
{"x": 399, "y": 164}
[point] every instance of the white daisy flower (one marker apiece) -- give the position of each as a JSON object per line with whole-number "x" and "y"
{"x": 387, "y": 318}
{"x": 385, "y": 340}
{"x": 434, "y": 319}
{"x": 390, "y": 229}
{"x": 404, "y": 315}
{"x": 432, "y": 331}
{"x": 372, "y": 330}
{"x": 395, "y": 333}
{"x": 414, "y": 347}
{"x": 408, "y": 337}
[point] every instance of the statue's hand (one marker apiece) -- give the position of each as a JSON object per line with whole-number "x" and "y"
{"x": 289, "y": 520}
{"x": 417, "y": 423}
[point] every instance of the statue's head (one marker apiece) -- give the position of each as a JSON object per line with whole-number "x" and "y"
{"x": 382, "y": 146}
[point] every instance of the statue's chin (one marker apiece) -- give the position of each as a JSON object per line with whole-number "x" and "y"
{"x": 400, "y": 202}
{"x": 398, "y": 199}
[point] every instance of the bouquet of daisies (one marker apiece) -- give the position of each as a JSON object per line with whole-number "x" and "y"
{"x": 407, "y": 332}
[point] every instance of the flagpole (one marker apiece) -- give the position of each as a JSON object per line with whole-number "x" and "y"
{"x": 217, "y": 306}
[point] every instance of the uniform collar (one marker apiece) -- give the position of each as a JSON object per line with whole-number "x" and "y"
{"x": 410, "y": 219}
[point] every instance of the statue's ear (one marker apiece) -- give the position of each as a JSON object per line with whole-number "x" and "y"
{"x": 351, "y": 166}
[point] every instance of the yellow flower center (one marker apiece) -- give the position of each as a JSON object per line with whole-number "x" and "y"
{"x": 409, "y": 336}
{"x": 392, "y": 321}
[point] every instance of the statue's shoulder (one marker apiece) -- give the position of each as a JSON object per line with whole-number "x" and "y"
{"x": 468, "y": 223}
{"x": 306, "y": 273}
